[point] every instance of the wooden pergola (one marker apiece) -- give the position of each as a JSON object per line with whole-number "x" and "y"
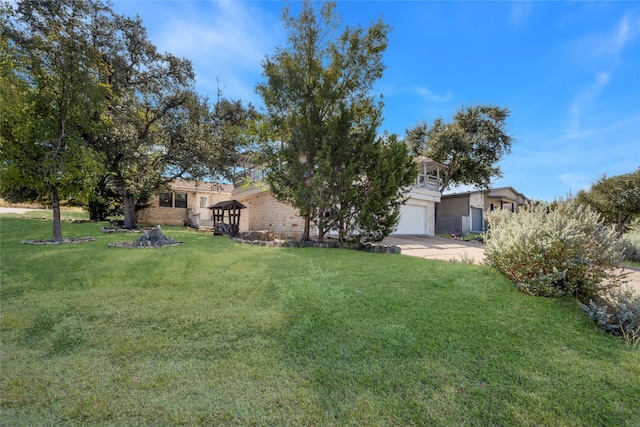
{"x": 232, "y": 208}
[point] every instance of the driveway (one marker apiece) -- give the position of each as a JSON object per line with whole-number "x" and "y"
{"x": 439, "y": 248}
{"x": 432, "y": 247}
{"x": 16, "y": 210}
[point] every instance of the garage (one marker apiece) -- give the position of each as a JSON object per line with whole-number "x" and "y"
{"x": 413, "y": 220}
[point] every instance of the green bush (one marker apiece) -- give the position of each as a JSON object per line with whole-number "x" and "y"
{"x": 557, "y": 250}
{"x": 631, "y": 247}
{"x": 618, "y": 314}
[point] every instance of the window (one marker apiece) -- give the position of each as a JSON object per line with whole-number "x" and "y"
{"x": 181, "y": 200}
{"x": 173, "y": 200}
{"x": 203, "y": 202}
{"x": 166, "y": 200}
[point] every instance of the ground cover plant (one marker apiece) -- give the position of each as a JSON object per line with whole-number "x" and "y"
{"x": 217, "y": 333}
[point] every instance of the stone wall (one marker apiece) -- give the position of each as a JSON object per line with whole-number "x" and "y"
{"x": 266, "y": 213}
{"x": 157, "y": 215}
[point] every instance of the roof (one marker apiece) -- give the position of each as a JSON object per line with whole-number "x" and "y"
{"x": 430, "y": 163}
{"x": 491, "y": 194}
{"x": 227, "y": 205}
{"x": 192, "y": 185}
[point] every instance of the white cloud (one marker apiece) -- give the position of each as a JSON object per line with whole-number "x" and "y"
{"x": 430, "y": 96}
{"x": 582, "y": 101}
{"x": 225, "y": 40}
{"x": 609, "y": 45}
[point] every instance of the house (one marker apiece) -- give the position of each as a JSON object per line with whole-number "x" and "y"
{"x": 418, "y": 214}
{"x": 462, "y": 213}
{"x": 185, "y": 202}
{"x": 264, "y": 212}
{"x": 188, "y": 203}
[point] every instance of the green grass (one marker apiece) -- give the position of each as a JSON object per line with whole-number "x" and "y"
{"x": 216, "y": 333}
{"x": 632, "y": 264}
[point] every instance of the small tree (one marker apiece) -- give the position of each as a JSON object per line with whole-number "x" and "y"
{"x": 470, "y": 147}
{"x": 50, "y": 99}
{"x": 325, "y": 122}
{"x": 616, "y": 198}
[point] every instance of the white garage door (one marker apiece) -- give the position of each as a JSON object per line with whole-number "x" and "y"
{"x": 413, "y": 220}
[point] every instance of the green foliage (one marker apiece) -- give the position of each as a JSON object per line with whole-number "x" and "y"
{"x": 616, "y": 198}
{"x": 566, "y": 250}
{"x": 631, "y": 246}
{"x": 327, "y": 161}
{"x": 50, "y": 101}
{"x": 216, "y": 333}
{"x": 104, "y": 201}
{"x": 618, "y": 314}
{"x": 470, "y": 147}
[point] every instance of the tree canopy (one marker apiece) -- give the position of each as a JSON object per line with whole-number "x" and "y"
{"x": 124, "y": 117}
{"x": 324, "y": 157}
{"x": 616, "y": 198}
{"x": 51, "y": 97}
{"x": 471, "y": 146}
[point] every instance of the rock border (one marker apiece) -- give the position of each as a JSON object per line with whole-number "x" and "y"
{"x": 366, "y": 247}
{"x": 64, "y": 241}
{"x": 132, "y": 245}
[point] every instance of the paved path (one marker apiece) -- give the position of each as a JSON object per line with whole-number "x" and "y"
{"x": 17, "y": 210}
{"x": 457, "y": 250}
{"x": 438, "y": 248}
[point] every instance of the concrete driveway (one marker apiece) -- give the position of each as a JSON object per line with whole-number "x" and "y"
{"x": 432, "y": 247}
{"x": 439, "y": 248}
{"x": 16, "y": 210}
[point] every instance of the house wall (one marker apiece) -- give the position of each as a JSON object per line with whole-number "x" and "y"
{"x": 264, "y": 212}
{"x": 477, "y": 200}
{"x": 454, "y": 206}
{"x": 157, "y": 215}
{"x": 454, "y": 213}
{"x": 511, "y": 199}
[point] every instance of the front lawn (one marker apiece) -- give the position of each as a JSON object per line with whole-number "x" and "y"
{"x": 216, "y": 333}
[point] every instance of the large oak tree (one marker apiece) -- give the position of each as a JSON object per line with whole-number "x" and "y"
{"x": 470, "y": 146}
{"x": 616, "y": 198}
{"x": 159, "y": 128}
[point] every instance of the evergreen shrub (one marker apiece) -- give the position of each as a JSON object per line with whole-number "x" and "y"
{"x": 555, "y": 250}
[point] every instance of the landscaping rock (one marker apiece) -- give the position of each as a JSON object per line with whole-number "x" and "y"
{"x": 266, "y": 236}
{"x": 153, "y": 238}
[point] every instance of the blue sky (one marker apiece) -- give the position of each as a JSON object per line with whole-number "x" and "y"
{"x": 568, "y": 71}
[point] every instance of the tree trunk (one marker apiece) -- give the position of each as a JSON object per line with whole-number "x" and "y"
{"x": 307, "y": 225}
{"x": 55, "y": 206}
{"x": 128, "y": 204}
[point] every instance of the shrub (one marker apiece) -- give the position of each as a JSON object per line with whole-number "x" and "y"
{"x": 617, "y": 314}
{"x": 631, "y": 246}
{"x": 556, "y": 250}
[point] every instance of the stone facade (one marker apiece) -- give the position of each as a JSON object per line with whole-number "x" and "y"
{"x": 265, "y": 213}
{"x": 198, "y": 197}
